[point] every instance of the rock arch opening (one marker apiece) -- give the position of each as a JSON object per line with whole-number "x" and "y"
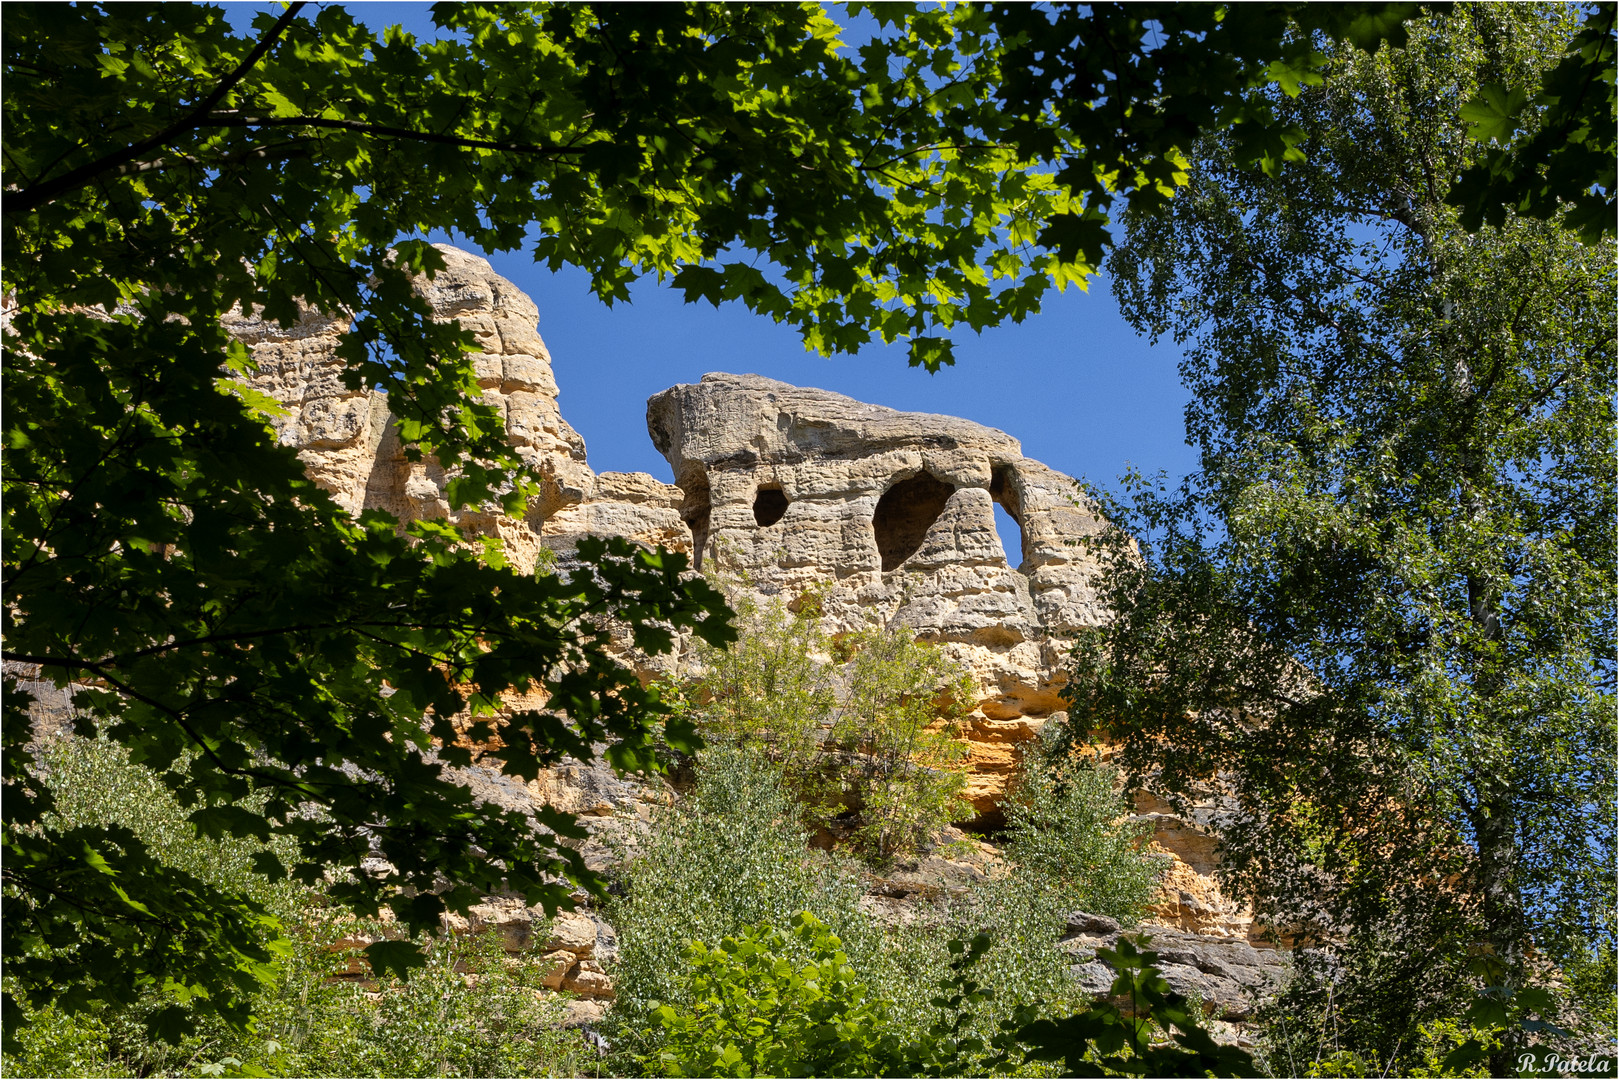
{"x": 769, "y": 504}
{"x": 1003, "y": 490}
{"x": 695, "y": 513}
{"x": 904, "y": 515}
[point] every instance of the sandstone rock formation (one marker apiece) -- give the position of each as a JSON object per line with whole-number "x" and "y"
{"x": 1231, "y": 977}
{"x": 782, "y": 488}
{"x": 347, "y": 442}
{"x": 787, "y": 488}
{"x": 890, "y": 515}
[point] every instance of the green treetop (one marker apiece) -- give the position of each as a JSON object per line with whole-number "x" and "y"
{"x": 1382, "y": 614}
{"x": 218, "y": 613}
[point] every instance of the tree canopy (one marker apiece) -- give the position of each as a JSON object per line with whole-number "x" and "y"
{"x": 1381, "y": 615}
{"x": 287, "y": 668}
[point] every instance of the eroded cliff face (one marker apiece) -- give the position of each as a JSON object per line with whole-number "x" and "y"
{"x": 890, "y": 518}
{"x": 888, "y": 515}
{"x": 347, "y": 441}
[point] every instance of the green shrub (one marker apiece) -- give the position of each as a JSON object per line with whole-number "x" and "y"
{"x": 51, "y": 1043}
{"x": 758, "y": 1008}
{"x": 93, "y": 782}
{"x": 755, "y": 1010}
{"x": 768, "y": 691}
{"x": 96, "y": 785}
{"x": 472, "y": 1011}
{"x": 902, "y": 770}
{"x": 734, "y": 853}
{"x": 1069, "y": 837}
{"x": 864, "y": 728}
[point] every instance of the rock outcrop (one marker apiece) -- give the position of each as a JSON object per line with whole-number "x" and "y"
{"x": 787, "y": 487}
{"x": 1230, "y": 977}
{"x": 887, "y": 515}
{"x": 349, "y": 445}
{"x": 890, "y": 517}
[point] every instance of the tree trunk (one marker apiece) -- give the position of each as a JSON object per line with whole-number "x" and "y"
{"x": 1495, "y": 826}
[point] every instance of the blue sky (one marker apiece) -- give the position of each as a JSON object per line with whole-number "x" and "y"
{"x": 1075, "y": 384}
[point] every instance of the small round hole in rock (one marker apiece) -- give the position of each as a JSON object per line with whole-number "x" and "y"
{"x": 769, "y": 505}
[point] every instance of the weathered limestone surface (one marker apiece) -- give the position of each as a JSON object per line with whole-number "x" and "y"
{"x": 348, "y": 443}
{"x": 892, "y": 515}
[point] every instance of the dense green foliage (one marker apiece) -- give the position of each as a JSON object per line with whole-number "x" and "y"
{"x": 756, "y": 1012}
{"x": 470, "y": 1011}
{"x": 864, "y": 727}
{"x": 905, "y": 759}
{"x": 1552, "y": 152}
{"x": 1381, "y": 616}
{"x": 734, "y": 854}
{"x": 1064, "y": 834}
{"x": 1132, "y": 86}
{"x": 284, "y": 667}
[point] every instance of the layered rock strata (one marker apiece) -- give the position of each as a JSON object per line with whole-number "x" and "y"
{"x": 1230, "y": 977}
{"x": 889, "y": 517}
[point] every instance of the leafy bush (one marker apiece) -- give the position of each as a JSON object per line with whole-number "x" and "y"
{"x": 1071, "y": 847}
{"x": 1067, "y": 833}
{"x": 51, "y": 1043}
{"x": 94, "y": 787}
{"x": 897, "y": 725}
{"x": 769, "y": 691}
{"x": 94, "y": 783}
{"x": 734, "y": 853}
{"x": 471, "y": 1011}
{"x": 756, "y": 1012}
{"x": 863, "y": 728}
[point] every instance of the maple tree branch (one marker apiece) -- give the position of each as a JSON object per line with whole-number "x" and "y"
{"x": 291, "y": 149}
{"x": 38, "y": 194}
{"x": 365, "y": 128}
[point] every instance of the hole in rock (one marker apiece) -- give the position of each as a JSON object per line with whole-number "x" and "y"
{"x": 769, "y": 505}
{"x": 1008, "y": 516}
{"x": 1011, "y": 535}
{"x": 695, "y": 513}
{"x": 904, "y": 515}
